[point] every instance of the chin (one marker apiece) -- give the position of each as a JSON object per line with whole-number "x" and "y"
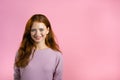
{"x": 37, "y": 41}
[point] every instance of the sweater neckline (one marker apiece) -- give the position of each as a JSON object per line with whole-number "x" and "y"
{"x": 42, "y": 49}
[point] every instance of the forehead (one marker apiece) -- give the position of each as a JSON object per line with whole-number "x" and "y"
{"x": 38, "y": 25}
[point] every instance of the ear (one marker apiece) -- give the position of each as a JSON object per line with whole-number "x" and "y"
{"x": 47, "y": 30}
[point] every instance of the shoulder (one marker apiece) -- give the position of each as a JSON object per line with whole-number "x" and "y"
{"x": 57, "y": 53}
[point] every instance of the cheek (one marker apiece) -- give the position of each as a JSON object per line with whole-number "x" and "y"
{"x": 44, "y": 33}
{"x": 31, "y": 33}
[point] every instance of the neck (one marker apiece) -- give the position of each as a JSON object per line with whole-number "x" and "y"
{"x": 41, "y": 46}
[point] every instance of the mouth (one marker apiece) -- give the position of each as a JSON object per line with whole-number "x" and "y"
{"x": 37, "y": 37}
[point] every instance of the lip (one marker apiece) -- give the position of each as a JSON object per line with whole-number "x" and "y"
{"x": 37, "y": 37}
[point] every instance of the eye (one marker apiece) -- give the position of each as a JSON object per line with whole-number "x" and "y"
{"x": 32, "y": 30}
{"x": 41, "y": 29}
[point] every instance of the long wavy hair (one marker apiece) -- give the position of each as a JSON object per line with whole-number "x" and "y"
{"x": 26, "y": 47}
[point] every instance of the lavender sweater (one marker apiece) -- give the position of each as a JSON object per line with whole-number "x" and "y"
{"x": 46, "y": 64}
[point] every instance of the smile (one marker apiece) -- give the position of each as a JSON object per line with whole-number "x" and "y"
{"x": 37, "y": 37}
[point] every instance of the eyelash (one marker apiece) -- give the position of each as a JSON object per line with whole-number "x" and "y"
{"x": 32, "y": 30}
{"x": 41, "y": 29}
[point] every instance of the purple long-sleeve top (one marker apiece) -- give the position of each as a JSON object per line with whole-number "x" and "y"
{"x": 46, "y": 64}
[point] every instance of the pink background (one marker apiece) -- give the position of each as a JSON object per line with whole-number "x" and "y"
{"x": 88, "y": 32}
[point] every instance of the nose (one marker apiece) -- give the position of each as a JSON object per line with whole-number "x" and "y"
{"x": 38, "y": 32}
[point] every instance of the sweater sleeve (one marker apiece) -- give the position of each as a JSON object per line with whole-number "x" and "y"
{"x": 16, "y": 73}
{"x": 58, "y": 74}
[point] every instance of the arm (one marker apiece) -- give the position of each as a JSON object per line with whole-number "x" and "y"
{"x": 16, "y": 73}
{"x": 59, "y": 69}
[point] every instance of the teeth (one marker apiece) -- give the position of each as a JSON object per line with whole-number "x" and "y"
{"x": 40, "y": 35}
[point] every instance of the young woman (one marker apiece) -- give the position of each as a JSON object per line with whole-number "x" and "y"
{"x": 39, "y": 56}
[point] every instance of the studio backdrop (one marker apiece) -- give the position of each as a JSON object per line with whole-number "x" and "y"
{"x": 88, "y": 32}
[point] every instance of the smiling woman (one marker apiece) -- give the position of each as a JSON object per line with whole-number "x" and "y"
{"x": 39, "y": 56}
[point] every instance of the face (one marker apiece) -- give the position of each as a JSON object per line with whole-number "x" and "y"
{"x": 39, "y": 32}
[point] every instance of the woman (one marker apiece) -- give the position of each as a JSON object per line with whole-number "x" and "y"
{"x": 39, "y": 56}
